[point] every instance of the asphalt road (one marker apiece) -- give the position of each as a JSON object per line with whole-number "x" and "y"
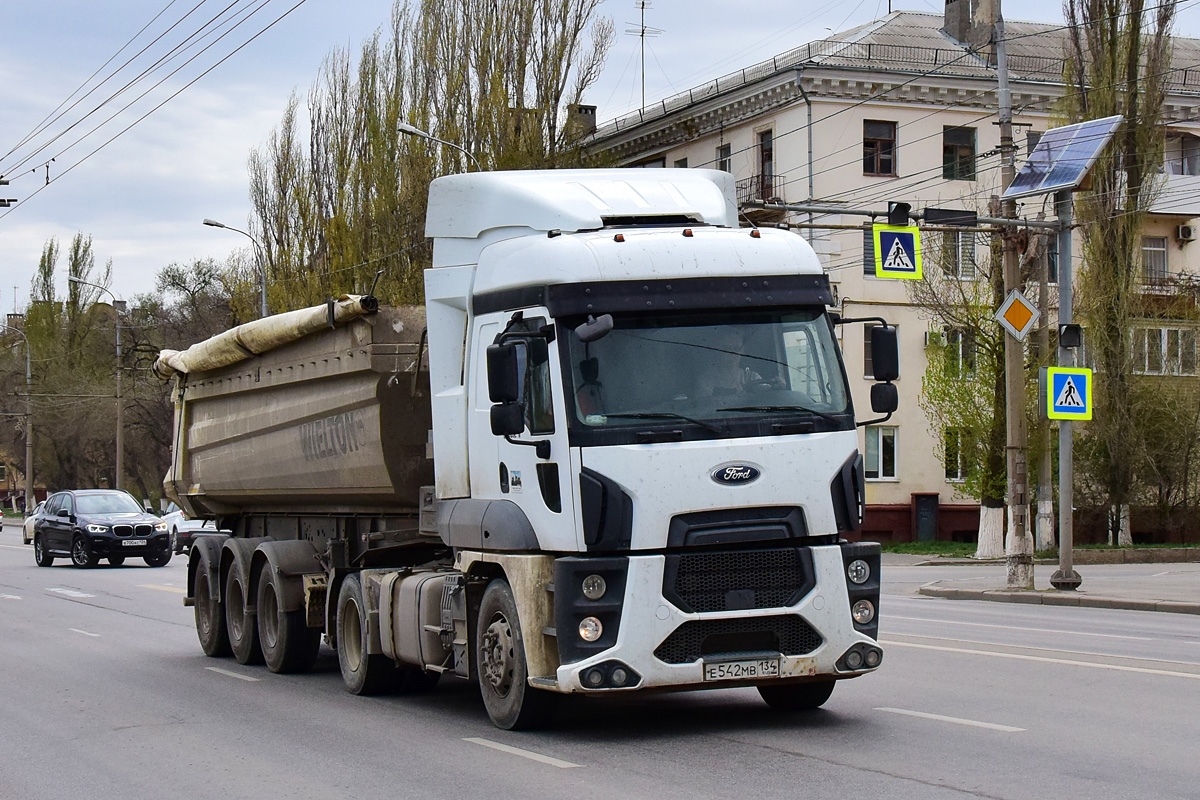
{"x": 105, "y": 695}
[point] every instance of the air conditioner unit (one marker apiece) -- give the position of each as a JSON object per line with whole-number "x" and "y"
{"x": 1185, "y": 233}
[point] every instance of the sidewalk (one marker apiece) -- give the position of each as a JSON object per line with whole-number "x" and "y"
{"x": 1150, "y": 585}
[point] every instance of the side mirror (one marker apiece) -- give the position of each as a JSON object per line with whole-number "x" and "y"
{"x": 503, "y": 383}
{"x": 595, "y": 328}
{"x": 508, "y": 419}
{"x": 884, "y": 398}
{"x": 62, "y": 512}
{"x": 885, "y": 353}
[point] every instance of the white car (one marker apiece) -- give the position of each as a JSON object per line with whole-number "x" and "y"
{"x": 27, "y": 530}
{"x": 182, "y": 528}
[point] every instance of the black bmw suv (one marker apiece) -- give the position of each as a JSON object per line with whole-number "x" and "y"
{"x": 90, "y": 524}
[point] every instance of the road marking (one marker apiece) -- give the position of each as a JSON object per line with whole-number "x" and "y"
{"x": 232, "y": 674}
{"x": 85, "y": 633}
{"x": 956, "y": 720}
{"x": 1019, "y": 628}
{"x": 1051, "y": 649}
{"x": 69, "y": 592}
{"x": 15, "y": 546}
{"x": 1194, "y": 676}
{"x": 173, "y": 589}
{"x": 516, "y": 751}
{"x": 9, "y": 597}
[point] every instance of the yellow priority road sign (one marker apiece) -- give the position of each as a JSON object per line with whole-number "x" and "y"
{"x": 897, "y": 251}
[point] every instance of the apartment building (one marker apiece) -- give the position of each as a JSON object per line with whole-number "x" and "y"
{"x": 904, "y": 109}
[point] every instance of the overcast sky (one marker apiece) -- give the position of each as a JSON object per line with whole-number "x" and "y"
{"x": 142, "y": 197}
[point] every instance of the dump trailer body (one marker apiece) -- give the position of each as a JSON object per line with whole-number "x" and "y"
{"x": 336, "y": 422}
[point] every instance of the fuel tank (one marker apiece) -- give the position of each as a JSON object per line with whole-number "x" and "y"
{"x": 336, "y": 421}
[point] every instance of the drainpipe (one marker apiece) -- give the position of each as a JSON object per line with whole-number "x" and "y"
{"x": 808, "y": 104}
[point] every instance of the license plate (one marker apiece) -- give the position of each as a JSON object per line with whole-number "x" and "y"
{"x": 748, "y": 668}
{"x": 133, "y": 543}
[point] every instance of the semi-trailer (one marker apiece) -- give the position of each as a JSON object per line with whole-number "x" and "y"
{"x": 614, "y": 451}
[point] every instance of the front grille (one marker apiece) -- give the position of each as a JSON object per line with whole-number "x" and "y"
{"x": 143, "y": 530}
{"x": 790, "y": 635}
{"x": 122, "y": 530}
{"x": 133, "y": 530}
{"x": 741, "y": 579}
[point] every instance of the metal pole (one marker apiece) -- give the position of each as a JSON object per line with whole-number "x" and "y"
{"x": 29, "y": 495}
{"x": 120, "y": 404}
{"x": 1018, "y": 547}
{"x": 1065, "y": 577}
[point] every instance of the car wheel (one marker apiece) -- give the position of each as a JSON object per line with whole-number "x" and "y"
{"x": 288, "y": 644}
{"x": 116, "y": 561}
{"x": 242, "y": 626}
{"x": 158, "y": 559}
{"x": 81, "y": 553}
{"x": 210, "y": 615}
{"x": 797, "y": 696}
{"x": 503, "y": 673}
{"x": 175, "y": 541}
{"x": 40, "y": 555}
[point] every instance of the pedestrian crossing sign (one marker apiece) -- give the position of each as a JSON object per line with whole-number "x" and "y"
{"x": 897, "y": 251}
{"x": 1068, "y": 393}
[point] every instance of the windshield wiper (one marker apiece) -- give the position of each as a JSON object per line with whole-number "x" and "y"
{"x": 804, "y": 409}
{"x": 666, "y": 415}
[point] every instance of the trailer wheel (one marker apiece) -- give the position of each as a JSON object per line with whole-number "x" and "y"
{"x": 797, "y": 696}
{"x": 288, "y": 644}
{"x": 500, "y": 658}
{"x": 242, "y": 626}
{"x": 210, "y": 616}
{"x": 363, "y": 672}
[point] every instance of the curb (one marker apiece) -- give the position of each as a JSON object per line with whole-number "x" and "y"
{"x": 1134, "y": 555}
{"x": 1053, "y": 597}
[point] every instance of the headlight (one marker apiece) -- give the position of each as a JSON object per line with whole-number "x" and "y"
{"x": 160, "y": 526}
{"x": 97, "y": 528}
{"x": 590, "y": 629}
{"x": 863, "y": 612}
{"x": 859, "y": 571}
{"x": 594, "y": 587}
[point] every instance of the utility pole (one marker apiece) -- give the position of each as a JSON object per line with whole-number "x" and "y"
{"x": 1018, "y": 545}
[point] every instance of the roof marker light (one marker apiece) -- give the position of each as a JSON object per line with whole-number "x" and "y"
{"x": 756, "y": 234}
{"x": 687, "y": 232}
{"x": 620, "y": 237}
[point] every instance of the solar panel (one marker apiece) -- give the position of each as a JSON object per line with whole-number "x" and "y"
{"x": 1063, "y": 157}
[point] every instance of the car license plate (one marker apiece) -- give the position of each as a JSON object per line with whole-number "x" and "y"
{"x": 133, "y": 542}
{"x": 748, "y": 668}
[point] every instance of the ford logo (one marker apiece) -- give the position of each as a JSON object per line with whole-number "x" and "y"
{"x": 735, "y": 474}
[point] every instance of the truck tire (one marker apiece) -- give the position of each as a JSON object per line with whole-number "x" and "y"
{"x": 40, "y": 554}
{"x": 288, "y": 644}
{"x": 797, "y": 696}
{"x": 500, "y": 664}
{"x": 363, "y": 672}
{"x": 242, "y": 626}
{"x": 210, "y": 616}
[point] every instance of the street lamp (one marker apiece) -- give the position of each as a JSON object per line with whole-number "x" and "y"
{"x": 118, "y": 309}
{"x": 29, "y": 496}
{"x": 262, "y": 265}
{"x": 414, "y": 131}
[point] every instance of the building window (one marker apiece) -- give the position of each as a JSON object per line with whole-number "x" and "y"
{"x": 3, "y": 473}
{"x": 956, "y": 446}
{"x": 879, "y": 148}
{"x": 724, "y": 158}
{"x": 1163, "y": 351}
{"x": 960, "y": 352}
{"x": 881, "y": 452}
{"x": 681, "y": 163}
{"x": 958, "y": 154}
{"x": 1031, "y": 142}
{"x": 1182, "y": 155}
{"x": 1154, "y": 259}
{"x": 868, "y": 251}
{"x": 958, "y": 255}
{"x": 766, "y": 162}
{"x": 652, "y": 163}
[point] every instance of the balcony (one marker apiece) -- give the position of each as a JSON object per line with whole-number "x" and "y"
{"x": 762, "y": 189}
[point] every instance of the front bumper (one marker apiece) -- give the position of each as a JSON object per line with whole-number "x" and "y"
{"x": 107, "y": 544}
{"x": 667, "y": 647}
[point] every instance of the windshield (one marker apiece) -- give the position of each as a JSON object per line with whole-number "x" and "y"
{"x": 115, "y": 503}
{"x": 716, "y": 371}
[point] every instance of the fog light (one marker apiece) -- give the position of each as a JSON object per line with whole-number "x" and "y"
{"x": 594, "y": 587}
{"x": 854, "y": 659}
{"x": 619, "y": 676}
{"x": 859, "y": 571}
{"x": 594, "y": 677}
{"x": 863, "y": 612}
{"x": 590, "y": 629}
{"x": 873, "y": 658}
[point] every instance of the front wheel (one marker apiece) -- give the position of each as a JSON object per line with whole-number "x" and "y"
{"x": 81, "y": 553}
{"x": 797, "y": 696}
{"x": 43, "y": 558}
{"x": 241, "y": 625}
{"x": 288, "y": 644}
{"x": 158, "y": 559}
{"x": 116, "y": 561}
{"x": 503, "y": 673}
